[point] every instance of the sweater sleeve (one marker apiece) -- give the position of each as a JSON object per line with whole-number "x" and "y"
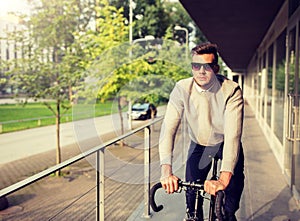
{"x": 170, "y": 125}
{"x": 234, "y": 113}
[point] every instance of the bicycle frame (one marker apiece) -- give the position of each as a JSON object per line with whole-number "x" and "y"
{"x": 213, "y": 198}
{"x": 216, "y": 202}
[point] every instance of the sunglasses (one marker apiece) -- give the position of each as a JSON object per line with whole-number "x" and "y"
{"x": 197, "y": 66}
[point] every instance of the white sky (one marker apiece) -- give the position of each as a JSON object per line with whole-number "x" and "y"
{"x": 12, "y": 5}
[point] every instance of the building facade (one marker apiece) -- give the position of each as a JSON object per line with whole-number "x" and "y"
{"x": 271, "y": 87}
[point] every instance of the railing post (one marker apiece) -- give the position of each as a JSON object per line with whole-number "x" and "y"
{"x": 147, "y": 139}
{"x": 100, "y": 185}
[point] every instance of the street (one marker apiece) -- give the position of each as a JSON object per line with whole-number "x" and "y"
{"x": 21, "y": 144}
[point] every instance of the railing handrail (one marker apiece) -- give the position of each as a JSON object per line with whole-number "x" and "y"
{"x": 23, "y": 183}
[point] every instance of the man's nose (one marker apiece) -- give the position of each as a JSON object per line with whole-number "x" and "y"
{"x": 202, "y": 70}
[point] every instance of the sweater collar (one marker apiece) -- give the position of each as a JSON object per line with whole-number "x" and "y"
{"x": 213, "y": 83}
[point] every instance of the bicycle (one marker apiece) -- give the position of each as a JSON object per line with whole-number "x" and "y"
{"x": 216, "y": 211}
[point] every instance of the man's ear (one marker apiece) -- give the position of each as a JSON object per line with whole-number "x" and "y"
{"x": 216, "y": 68}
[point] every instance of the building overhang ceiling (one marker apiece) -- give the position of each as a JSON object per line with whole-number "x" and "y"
{"x": 236, "y": 26}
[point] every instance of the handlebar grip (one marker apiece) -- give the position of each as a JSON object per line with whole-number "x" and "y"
{"x": 152, "y": 200}
{"x": 219, "y": 205}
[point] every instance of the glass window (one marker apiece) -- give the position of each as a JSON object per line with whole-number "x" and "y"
{"x": 279, "y": 87}
{"x": 297, "y": 118}
{"x": 290, "y": 84}
{"x": 297, "y": 146}
{"x": 269, "y": 84}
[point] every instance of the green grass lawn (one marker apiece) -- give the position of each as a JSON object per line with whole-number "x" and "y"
{"x": 15, "y": 117}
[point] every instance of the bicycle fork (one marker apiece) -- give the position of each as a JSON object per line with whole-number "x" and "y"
{"x": 195, "y": 213}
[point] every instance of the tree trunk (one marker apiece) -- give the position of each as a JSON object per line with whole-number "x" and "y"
{"x": 58, "y": 150}
{"x": 129, "y": 114}
{"x": 152, "y": 114}
{"x": 121, "y": 120}
{"x": 71, "y": 99}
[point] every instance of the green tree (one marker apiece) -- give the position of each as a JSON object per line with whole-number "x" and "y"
{"x": 4, "y": 79}
{"x": 124, "y": 66}
{"x": 102, "y": 51}
{"x": 150, "y": 19}
{"x": 153, "y": 83}
{"x": 109, "y": 31}
{"x": 50, "y": 65}
{"x": 158, "y": 18}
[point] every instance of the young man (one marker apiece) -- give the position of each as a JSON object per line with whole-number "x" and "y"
{"x": 213, "y": 107}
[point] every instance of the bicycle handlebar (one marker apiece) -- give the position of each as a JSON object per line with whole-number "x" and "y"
{"x": 218, "y": 202}
{"x": 181, "y": 184}
{"x": 152, "y": 200}
{"x": 218, "y": 205}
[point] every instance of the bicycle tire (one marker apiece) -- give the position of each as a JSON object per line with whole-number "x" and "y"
{"x": 152, "y": 200}
{"x": 219, "y": 212}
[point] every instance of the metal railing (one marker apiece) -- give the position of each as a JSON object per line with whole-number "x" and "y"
{"x": 99, "y": 151}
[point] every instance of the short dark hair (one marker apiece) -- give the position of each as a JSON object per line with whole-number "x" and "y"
{"x": 206, "y": 48}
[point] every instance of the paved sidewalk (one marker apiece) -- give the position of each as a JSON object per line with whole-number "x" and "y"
{"x": 266, "y": 195}
{"x": 72, "y": 196}
{"x": 25, "y": 143}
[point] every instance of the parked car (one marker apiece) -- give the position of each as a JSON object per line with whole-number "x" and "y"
{"x": 142, "y": 111}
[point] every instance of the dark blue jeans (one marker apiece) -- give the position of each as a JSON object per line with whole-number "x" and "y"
{"x": 197, "y": 168}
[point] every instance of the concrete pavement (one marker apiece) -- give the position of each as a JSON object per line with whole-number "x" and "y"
{"x": 21, "y": 144}
{"x": 266, "y": 195}
{"x": 47, "y": 199}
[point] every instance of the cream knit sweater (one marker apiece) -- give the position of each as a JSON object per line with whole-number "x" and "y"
{"x": 213, "y": 116}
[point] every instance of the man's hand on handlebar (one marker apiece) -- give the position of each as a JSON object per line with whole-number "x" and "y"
{"x": 168, "y": 181}
{"x": 213, "y": 186}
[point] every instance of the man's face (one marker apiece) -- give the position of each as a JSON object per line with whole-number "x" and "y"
{"x": 202, "y": 71}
